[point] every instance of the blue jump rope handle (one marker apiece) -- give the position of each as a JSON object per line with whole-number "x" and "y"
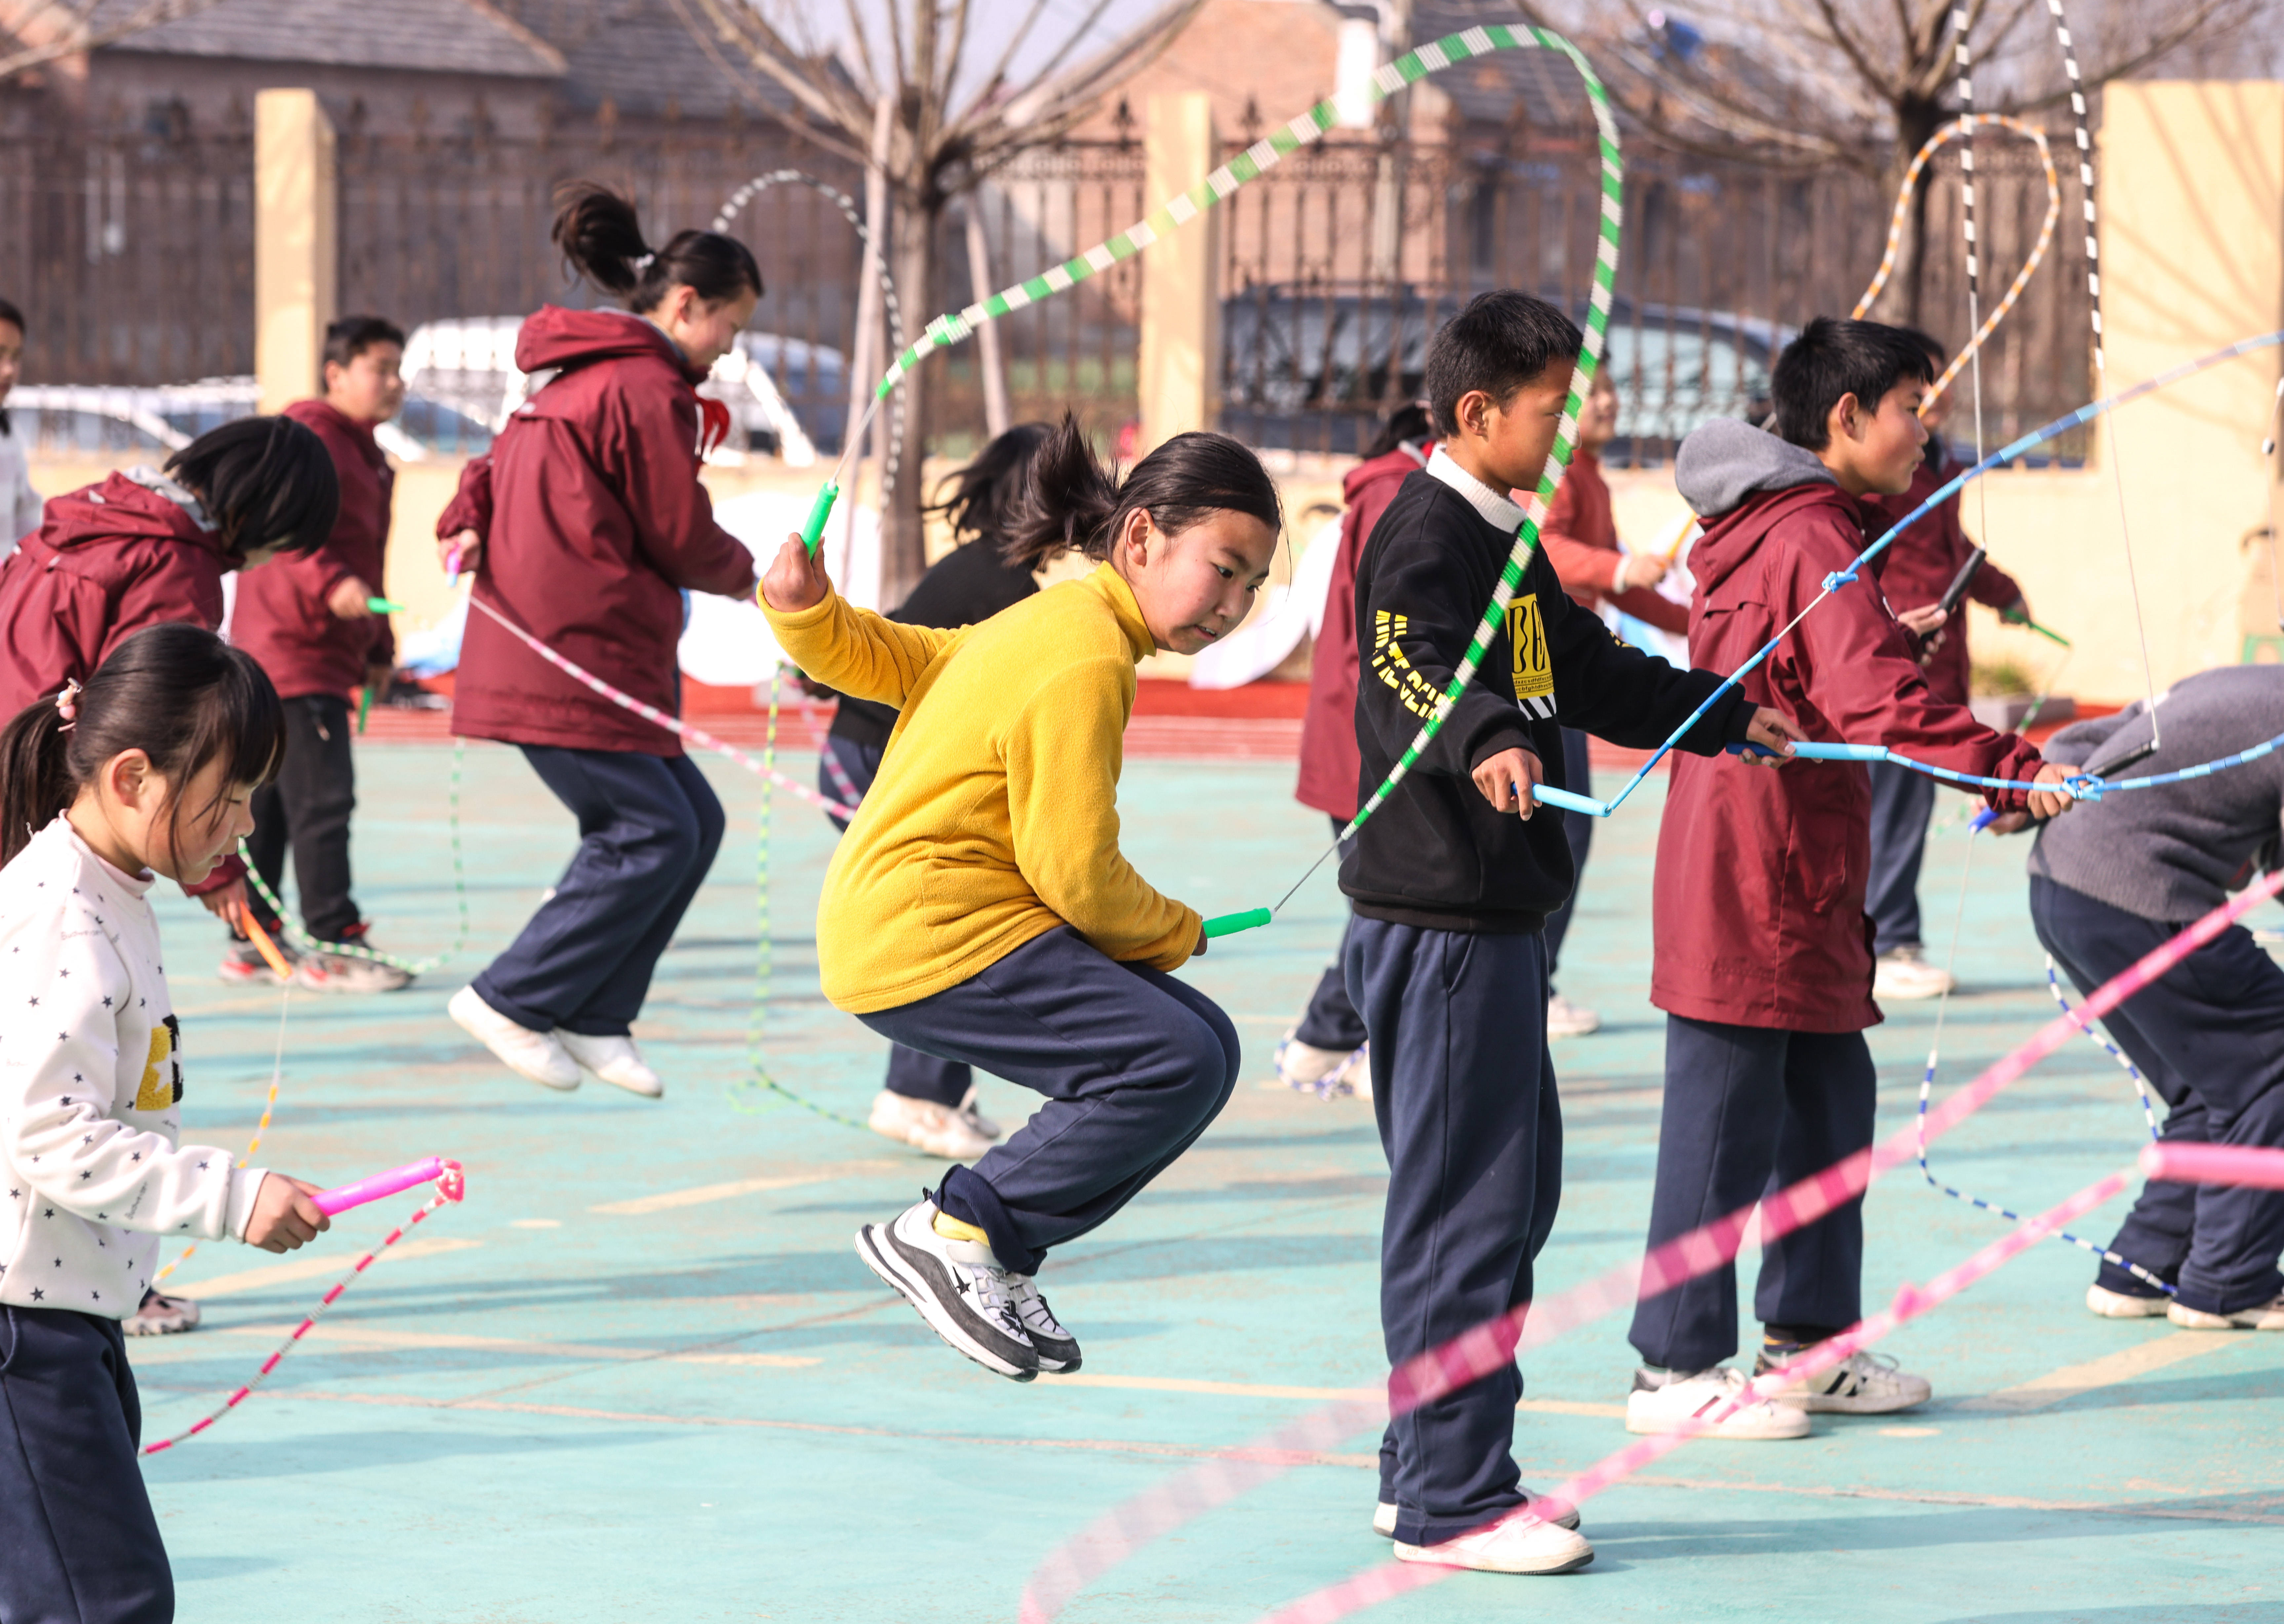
{"x": 1819, "y": 752}
{"x": 813, "y": 527}
{"x": 1227, "y": 925}
{"x": 1547, "y": 796}
{"x": 1981, "y": 821}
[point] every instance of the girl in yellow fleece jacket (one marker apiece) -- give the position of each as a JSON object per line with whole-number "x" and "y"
{"x": 978, "y": 909}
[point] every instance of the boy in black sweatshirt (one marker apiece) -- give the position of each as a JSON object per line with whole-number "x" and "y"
{"x": 1453, "y": 880}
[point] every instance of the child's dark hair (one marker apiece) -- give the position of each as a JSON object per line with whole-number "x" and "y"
{"x": 601, "y": 239}
{"x": 351, "y": 336}
{"x": 176, "y": 692}
{"x": 1408, "y": 423}
{"x": 1928, "y": 342}
{"x": 265, "y": 481}
{"x": 1500, "y": 341}
{"x": 10, "y": 313}
{"x": 980, "y": 499}
{"x": 1073, "y": 503}
{"x": 1834, "y": 358}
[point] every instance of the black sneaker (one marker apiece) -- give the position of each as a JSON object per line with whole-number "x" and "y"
{"x": 958, "y": 1287}
{"x": 1057, "y": 1348}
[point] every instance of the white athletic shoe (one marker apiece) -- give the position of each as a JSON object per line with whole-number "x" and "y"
{"x": 958, "y": 1287}
{"x": 926, "y": 1126}
{"x": 2260, "y": 1317}
{"x": 1662, "y": 1401}
{"x": 1862, "y": 1384}
{"x": 614, "y": 1060}
{"x": 160, "y": 1315}
{"x": 1383, "y": 1517}
{"x": 1904, "y": 974}
{"x": 975, "y": 1118}
{"x": 1326, "y": 1073}
{"x": 2125, "y": 1305}
{"x": 1565, "y": 1019}
{"x": 535, "y": 1055}
{"x": 1057, "y": 1349}
{"x": 1514, "y": 1545}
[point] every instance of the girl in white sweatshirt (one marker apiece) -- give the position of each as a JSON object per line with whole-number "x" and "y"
{"x": 144, "y": 772}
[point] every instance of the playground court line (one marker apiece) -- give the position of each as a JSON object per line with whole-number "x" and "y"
{"x": 2109, "y": 1370}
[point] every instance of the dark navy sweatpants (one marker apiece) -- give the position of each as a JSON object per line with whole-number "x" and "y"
{"x": 78, "y": 1542}
{"x": 648, "y": 829}
{"x": 1464, "y": 1091}
{"x": 2207, "y": 1036}
{"x": 1330, "y": 1020}
{"x": 1750, "y": 1110}
{"x": 1902, "y": 803}
{"x": 1579, "y": 831}
{"x": 1134, "y": 1065}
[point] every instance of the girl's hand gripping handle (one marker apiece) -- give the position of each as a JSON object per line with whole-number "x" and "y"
{"x": 796, "y": 579}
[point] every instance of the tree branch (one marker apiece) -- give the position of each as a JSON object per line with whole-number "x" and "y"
{"x": 76, "y": 42}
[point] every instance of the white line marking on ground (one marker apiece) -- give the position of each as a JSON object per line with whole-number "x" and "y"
{"x": 310, "y": 1268}
{"x": 699, "y": 1195}
{"x": 351, "y": 1337}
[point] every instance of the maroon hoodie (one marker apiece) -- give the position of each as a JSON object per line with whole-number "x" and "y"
{"x": 1329, "y": 763}
{"x": 593, "y": 520}
{"x": 1759, "y": 890}
{"x": 281, "y": 618}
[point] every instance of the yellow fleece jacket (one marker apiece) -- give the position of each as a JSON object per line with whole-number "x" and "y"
{"x": 995, "y": 815}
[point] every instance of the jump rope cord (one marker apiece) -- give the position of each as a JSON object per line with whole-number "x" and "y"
{"x": 277, "y": 1070}
{"x": 1959, "y": 24}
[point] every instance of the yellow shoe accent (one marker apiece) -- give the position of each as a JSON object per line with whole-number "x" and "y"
{"x": 959, "y": 1229}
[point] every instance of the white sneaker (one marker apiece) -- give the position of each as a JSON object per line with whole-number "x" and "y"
{"x": 975, "y": 1118}
{"x": 926, "y": 1126}
{"x": 160, "y": 1315}
{"x": 1057, "y": 1349}
{"x": 1520, "y": 1544}
{"x": 1383, "y": 1517}
{"x": 1904, "y": 974}
{"x": 1662, "y": 1401}
{"x": 2260, "y": 1317}
{"x": 535, "y": 1055}
{"x": 1565, "y": 1019}
{"x": 1862, "y": 1384}
{"x": 614, "y": 1060}
{"x": 1326, "y": 1073}
{"x": 958, "y": 1285}
{"x": 2125, "y": 1305}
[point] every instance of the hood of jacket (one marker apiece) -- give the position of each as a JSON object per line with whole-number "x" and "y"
{"x": 124, "y": 507}
{"x": 1393, "y": 467}
{"x": 554, "y": 338}
{"x": 1728, "y": 459}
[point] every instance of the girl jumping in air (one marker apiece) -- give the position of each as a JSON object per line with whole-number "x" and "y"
{"x": 978, "y": 909}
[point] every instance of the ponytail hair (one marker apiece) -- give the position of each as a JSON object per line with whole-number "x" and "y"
{"x": 264, "y": 481}
{"x": 1072, "y": 502}
{"x": 176, "y": 692}
{"x": 601, "y": 239}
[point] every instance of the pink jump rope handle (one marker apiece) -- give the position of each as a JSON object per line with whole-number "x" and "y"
{"x": 445, "y": 1174}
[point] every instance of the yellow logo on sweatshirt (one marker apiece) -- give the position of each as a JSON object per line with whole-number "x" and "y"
{"x": 1533, "y": 662}
{"x": 162, "y": 1078}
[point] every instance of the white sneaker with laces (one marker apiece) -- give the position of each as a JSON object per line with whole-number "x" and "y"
{"x": 1057, "y": 1349}
{"x": 2125, "y": 1305}
{"x": 2260, "y": 1317}
{"x": 975, "y": 1118}
{"x": 613, "y": 1059}
{"x": 1383, "y": 1517}
{"x": 1861, "y": 1384}
{"x": 926, "y": 1126}
{"x": 1514, "y": 1544}
{"x": 1662, "y": 1401}
{"x": 1904, "y": 974}
{"x": 1327, "y": 1073}
{"x": 160, "y": 1315}
{"x": 958, "y": 1287}
{"x": 1565, "y": 1019}
{"x": 535, "y": 1055}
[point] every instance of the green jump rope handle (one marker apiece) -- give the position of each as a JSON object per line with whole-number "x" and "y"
{"x": 364, "y": 707}
{"x": 1229, "y": 925}
{"x": 2051, "y": 636}
{"x": 820, "y": 511}
{"x": 381, "y": 605}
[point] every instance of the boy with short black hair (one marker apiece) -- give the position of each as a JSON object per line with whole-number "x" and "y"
{"x": 1763, "y": 957}
{"x": 1453, "y": 880}
{"x": 309, "y": 621}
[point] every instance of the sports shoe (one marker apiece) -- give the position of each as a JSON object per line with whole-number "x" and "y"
{"x": 1057, "y": 1349}
{"x": 1383, "y": 1517}
{"x": 1565, "y": 1019}
{"x": 926, "y": 1126}
{"x": 535, "y": 1055}
{"x": 614, "y": 1060}
{"x": 1326, "y": 1073}
{"x": 2125, "y": 1305}
{"x": 975, "y": 1118}
{"x": 1904, "y": 974}
{"x": 1514, "y": 1544}
{"x": 1663, "y": 1400}
{"x": 958, "y": 1285}
{"x": 162, "y": 1316}
{"x": 242, "y": 962}
{"x": 2260, "y": 1317}
{"x": 1861, "y": 1384}
{"x": 343, "y": 972}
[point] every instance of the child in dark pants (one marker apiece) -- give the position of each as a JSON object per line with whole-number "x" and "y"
{"x": 309, "y": 620}
{"x": 2108, "y": 885}
{"x": 1453, "y": 880}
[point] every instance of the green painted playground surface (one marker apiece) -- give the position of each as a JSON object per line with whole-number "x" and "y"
{"x": 640, "y": 1376}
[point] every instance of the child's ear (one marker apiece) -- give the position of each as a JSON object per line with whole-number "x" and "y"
{"x": 1845, "y": 420}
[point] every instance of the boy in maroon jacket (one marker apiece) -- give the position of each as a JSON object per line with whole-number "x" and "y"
{"x": 307, "y": 618}
{"x": 1763, "y": 960}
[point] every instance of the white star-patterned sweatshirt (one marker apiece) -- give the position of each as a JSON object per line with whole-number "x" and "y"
{"x": 90, "y": 1074}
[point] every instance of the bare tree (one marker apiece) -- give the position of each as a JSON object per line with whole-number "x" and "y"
{"x": 1807, "y": 84}
{"x": 53, "y": 29}
{"x": 957, "y": 115}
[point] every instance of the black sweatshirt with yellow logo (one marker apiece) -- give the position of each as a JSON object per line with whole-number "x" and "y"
{"x": 1436, "y": 854}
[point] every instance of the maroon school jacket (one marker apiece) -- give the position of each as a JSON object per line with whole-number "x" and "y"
{"x": 280, "y": 616}
{"x": 593, "y": 520}
{"x": 1758, "y": 898}
{"x": 1329, "y": 763}
{"x": 1916, "y": 570}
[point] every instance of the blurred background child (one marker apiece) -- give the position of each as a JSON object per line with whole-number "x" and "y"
{"x": 20, "y": 503}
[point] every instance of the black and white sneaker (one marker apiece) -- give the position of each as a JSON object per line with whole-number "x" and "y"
{"x": 958, "y": 1287}
{"x": 1057, "y": 1348}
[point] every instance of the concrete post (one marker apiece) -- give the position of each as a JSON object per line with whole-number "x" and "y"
{"x": 296, "y": 250}
{"x": 1180, "y": 367}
